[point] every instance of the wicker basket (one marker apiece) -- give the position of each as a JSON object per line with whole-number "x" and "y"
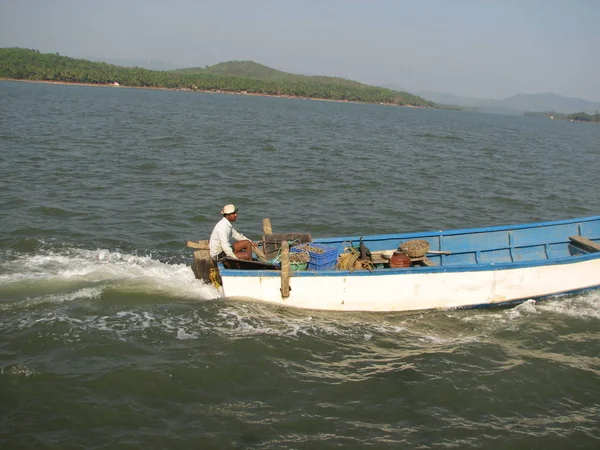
{"x": 299, "y": 257}
{"x": 416, "y": 248}
{"x": 299, "y": 260}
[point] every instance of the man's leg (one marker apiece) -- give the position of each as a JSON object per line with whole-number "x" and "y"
{"x": 243, "y": 250}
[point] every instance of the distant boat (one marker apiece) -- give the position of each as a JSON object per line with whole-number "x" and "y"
{"x": 464, "y": 268}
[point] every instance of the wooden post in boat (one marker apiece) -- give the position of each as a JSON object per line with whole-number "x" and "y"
{"x": 267, "y": 226}
{"x": 266, "y": 231}
{"x": 203, "y": 266}
{"x": 285, "y": 269}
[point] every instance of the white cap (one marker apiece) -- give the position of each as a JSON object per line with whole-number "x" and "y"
{"x": 228, "y": 209}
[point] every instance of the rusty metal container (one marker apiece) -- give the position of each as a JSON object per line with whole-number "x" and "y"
{"x": 399, "y": 260}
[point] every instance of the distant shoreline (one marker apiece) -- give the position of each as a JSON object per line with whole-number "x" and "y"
{"x": 220, "y": 91}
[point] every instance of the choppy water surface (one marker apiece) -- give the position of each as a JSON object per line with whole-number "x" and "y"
{"x": 108, "y": 341}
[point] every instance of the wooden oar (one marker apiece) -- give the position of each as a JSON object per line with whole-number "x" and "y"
{"x": 260, "y": 254}
{"x": 200, "y": 245}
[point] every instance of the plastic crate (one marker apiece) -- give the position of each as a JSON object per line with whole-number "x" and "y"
{"x": 326, "y": 260}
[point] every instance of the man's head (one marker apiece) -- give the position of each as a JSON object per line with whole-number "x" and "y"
{"x": 230, "y": 212}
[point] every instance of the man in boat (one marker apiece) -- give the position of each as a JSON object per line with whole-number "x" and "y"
{"x": 220, "y": 244}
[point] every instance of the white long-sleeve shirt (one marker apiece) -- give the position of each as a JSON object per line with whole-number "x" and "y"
{"x": 221, "y": 236}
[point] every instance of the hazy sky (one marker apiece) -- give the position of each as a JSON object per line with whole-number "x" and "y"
{"x": 473, "y": 48}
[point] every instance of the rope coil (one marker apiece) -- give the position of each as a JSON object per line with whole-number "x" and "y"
{"x": 213, "y": 275}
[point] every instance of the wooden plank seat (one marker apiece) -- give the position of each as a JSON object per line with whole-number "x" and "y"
{"x": 585, "y": 243}
{"x": 377, "y": 257}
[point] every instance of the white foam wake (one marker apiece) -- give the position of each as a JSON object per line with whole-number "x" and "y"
{"x": 77, "y": 273}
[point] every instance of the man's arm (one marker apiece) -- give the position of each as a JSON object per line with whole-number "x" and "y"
{"x": 239, "y": 236}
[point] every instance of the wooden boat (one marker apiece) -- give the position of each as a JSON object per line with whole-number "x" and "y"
{"x": 462, "y": 268}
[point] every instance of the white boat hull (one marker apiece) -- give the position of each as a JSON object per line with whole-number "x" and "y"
{"x": 416, "y": 289}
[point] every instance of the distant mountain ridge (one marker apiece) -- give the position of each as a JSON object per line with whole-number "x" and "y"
{"x": 517, "y": 104}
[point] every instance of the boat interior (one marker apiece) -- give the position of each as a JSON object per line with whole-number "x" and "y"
{"x": 478, "y": 246}
{"x": 495, "y": 245}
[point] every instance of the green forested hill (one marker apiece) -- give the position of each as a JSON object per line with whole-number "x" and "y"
{"x": 245, "y": 69}
{"x": 250, "y": 69}
{"x": 235, "y": 76}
